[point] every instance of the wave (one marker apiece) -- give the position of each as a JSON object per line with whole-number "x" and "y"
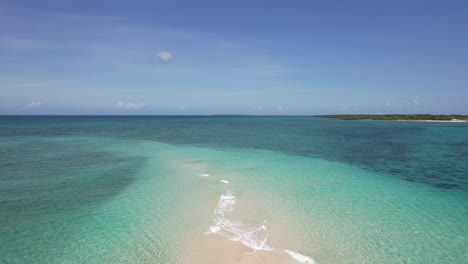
{"x": 252, "y": 236}
{"x": 299, "y": 257}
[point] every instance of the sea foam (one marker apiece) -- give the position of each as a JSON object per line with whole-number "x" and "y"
{"x": 252, "y": 236}
{"x": 299, "y": 257}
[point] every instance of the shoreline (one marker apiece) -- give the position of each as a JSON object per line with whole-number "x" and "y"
{"x": 436, "y": 121}
{"x": 452, "y": 118}
{"x": 404, "y": 120}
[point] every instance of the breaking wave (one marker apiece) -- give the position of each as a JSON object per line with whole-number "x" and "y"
{"x": 299, "y": 257}
{"x": 252, "y": 236}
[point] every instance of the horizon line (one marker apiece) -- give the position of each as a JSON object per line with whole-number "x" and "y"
{"x": 209, "y": 115}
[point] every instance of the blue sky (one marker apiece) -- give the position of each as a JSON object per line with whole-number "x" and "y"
{"x": 233, "y": 57}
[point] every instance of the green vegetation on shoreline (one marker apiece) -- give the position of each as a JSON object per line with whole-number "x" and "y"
{"x": 412, "y": 117}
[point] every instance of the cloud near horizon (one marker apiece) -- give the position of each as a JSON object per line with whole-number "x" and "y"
{"x": 129, "y": 105}
{"x": 34, "y": 104}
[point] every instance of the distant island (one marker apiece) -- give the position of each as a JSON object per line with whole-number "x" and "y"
{"x": 412, "y": 117}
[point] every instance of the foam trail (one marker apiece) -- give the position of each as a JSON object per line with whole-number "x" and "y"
{"x": 252, "y": 236}
{"x": 204, "y": 175}
{"x": 224, "y": 181}
{"x": 225, "y": 204}
{"x": 299, "y": 257}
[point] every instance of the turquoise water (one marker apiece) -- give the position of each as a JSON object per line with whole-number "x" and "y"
{"x": 137, "y": 190}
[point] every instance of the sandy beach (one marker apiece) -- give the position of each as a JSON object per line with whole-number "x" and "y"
{"x": 436, "y": 121}
{"x": 241, "y": 229}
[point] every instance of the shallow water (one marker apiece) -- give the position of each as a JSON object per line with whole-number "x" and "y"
{"x": 158, "y": 189}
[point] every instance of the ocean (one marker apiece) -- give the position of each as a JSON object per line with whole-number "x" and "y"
{"x": 232, "y": 189}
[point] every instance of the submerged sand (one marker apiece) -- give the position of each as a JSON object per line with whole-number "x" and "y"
{"x": 236, "y": 225}
{"x": 216, "y": 249}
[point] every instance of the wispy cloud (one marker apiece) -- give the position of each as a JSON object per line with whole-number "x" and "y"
{"x": 164, "y": 56}
{"x": 129, "y": 105}
{"x": 34, "y": 104}
{"x": 234, "y": 93}
{"x": 282, "y": 109}
{"x": 416, "y": 100}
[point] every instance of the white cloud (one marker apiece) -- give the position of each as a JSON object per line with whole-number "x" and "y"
{"x": 388, "y": 104}
{"x": 416, "y": 100}
{"x": 34, "y": 104}
{"x": 164, "y": 56}
{"x": 129, "y": 105}
{"x": 282, "y": 109}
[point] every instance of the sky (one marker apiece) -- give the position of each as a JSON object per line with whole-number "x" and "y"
{"x": 233, "y": 57}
